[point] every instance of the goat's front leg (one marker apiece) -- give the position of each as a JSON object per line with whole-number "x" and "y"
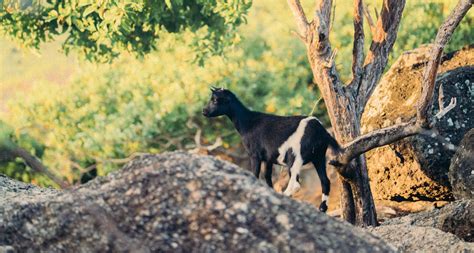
{"x": 268, "y": 173}
{"x": 294, "y": 184}
{"x": 255, "y": 164}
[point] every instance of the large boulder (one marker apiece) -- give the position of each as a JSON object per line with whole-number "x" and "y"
{"x": 461, "y": 171}
{"x": 412, "y": 238}
{"x": 174, "y": 202}
{"x": 456, "y": 218}
{"x": 416, "y": 168}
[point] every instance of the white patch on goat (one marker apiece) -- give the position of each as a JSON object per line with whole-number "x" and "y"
{"x": 294, "y": 142}
{"x": 325, "y": 198}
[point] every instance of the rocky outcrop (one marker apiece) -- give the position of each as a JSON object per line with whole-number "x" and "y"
{"x": 456, "y": 218}
{"x": 416, "y": 168}
{"x": 447, "y": 229}
{"x": 12, "y": 190}
{"x": 412, "y": 238}
{"x": 461, "y": 171}
{"x": 174, "y": 202}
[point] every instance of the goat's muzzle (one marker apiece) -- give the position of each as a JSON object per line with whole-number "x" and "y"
{"x": 205, "y": 112}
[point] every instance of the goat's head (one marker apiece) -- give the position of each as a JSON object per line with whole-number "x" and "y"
{"x": 219, "y": 104}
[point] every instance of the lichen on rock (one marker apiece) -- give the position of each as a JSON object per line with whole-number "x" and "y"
{"x": 461, "y": 171}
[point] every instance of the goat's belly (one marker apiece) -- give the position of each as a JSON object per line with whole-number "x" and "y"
{"x": 280, "y": 163}
{"x": 291, "y": 150}
{"x": 287, "y": 157}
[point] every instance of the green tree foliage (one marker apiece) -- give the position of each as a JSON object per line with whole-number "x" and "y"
{"x": 107, "y": 112}
{"x": 103, "y": 29}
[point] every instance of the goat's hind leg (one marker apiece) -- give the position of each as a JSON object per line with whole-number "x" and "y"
{"x": 255, "y": 164}
{"x": 320, "y": 165}
{"x": 294, "y": 184}
{"x": 268, "y": 173}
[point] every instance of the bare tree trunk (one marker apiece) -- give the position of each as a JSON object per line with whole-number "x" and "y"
{"x": 347, "y": 201}
{"x": 343, "y": 113}
{"x": 346, "y": 103}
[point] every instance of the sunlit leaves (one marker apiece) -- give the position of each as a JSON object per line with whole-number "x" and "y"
{"x": 101, "y": 30}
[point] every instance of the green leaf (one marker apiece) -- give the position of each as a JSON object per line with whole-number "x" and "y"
{"x": 89, "y": 9}
{"x": 168, "y": 4}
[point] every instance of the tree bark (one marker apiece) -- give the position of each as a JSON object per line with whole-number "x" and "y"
{"x": 347, "y": 200}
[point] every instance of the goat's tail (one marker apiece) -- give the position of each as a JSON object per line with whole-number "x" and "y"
{"x": 336, "y": 149}
{"x": 333, "y": 144}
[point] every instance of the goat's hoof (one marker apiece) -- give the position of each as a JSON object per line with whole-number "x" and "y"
{"x": 297, "y": 187}
{"x": 290, "y": 190}
{"x": 323, "y": 207}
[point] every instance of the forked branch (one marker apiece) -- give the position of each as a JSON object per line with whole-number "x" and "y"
{"x": 358, "y": 48}
{"x": 377, "y": 57}
{"x": 429, "y": 76}
{"x": 421, "y": 124}
{"x": 300, "y": 17}
{"x": 369, "y": 19}
{"x": 315, "y": 35}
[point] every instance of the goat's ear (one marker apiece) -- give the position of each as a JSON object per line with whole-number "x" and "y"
{"x": 214, "y": 89}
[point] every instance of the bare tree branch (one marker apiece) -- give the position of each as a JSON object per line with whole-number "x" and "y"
{"x": 321, "y": 25}
{"x": 429, "y": 76}
{"x": 375, "y": 139}
{"x": 441, "y": 97}
{"x": 443, "y": 110}
{"x": 300, "y": 17}
{"x": 199, "y": 146}
{"x": 358, "y": 49}
{"x": 299, "y": 36}
{"x": 382, "y": 137}
{"x": 446, "y": 109}
{"x": 376, "y": 13}
{"x": 333, "y": 15}
{"x": 119, "y": 160}
{"x": 36, "y": 165}
{"x": 370, "y": 21}
{"x": 377, "y": 57}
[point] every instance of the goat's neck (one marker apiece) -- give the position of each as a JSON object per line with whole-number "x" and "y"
{"x": 242, "y": 118}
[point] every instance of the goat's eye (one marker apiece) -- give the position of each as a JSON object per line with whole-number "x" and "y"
{"x": 214, "y": 100}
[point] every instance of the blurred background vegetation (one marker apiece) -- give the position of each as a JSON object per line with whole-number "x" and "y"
{"x": 85, "y": 112}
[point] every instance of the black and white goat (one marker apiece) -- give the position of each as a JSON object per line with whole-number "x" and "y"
{"x": 290, "y": 141}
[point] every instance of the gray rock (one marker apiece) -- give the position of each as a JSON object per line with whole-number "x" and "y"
{"x": 6, "y": 249}
{"x": 461, "y": 171}
{"x": 12, "y": 190}
{"x": 412, "y": 238}
{"x": 456, "y": 218}
{"x": 176, "y": 202}
{"x": 416, "y": 168}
